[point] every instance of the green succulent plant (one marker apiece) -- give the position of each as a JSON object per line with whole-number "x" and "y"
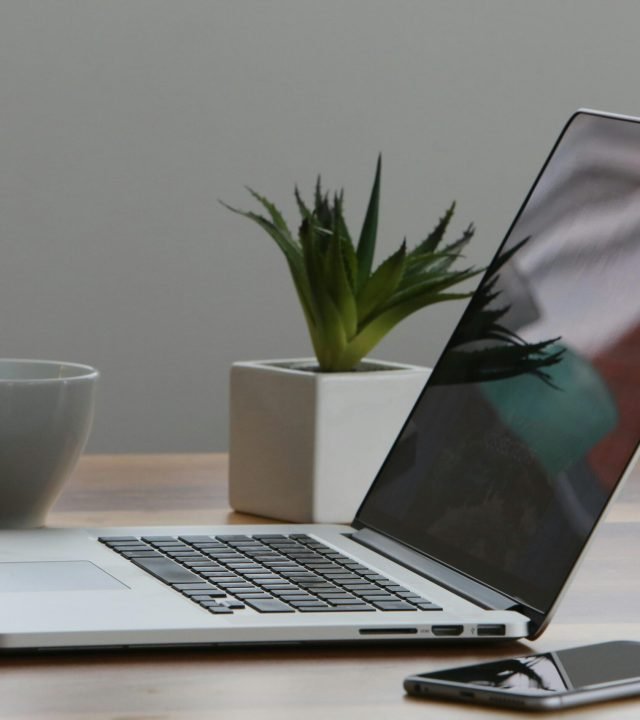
{"x": 348, "y": 307}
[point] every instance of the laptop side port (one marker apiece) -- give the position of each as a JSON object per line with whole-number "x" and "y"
{"x": 491, "y": 631}
{"x": 388, "y": 631}
{"x": 447, "y": 630}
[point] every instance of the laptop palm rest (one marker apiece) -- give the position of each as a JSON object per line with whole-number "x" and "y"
{"x": 55, "y": 575}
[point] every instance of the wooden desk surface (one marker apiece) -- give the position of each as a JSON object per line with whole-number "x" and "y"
{"x": 287, "y": 684}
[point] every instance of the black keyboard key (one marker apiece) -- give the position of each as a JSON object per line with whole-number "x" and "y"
{"x": 115, "y": 540}
{"x": 220, "y": 610}
{"x": 396, "y": 605}
{"x": 158, "y": 538}
{"x": 426, "y": 605}
{"x": 172, "y": 548}
{"x": 355, "y": 566}
{"x": 206, "y": 599}
{"x": 192, "y": 586}
{"x": 269, "y": 606}
{"x": 351, "y": 608}
{"x": 216, "y": 578}
{"x": 191, "y": 539}
{"x": 165, "y": 569}
{"x": 332, "y": 609}
{"x": 390, "y": 586}
{"x": 308, "y": 560}
{"x": 208, "y": 593}
{"x": 233, "y": 604}
{"x": 246, "y": 546}
{"x": 263, "y": 581}
{"x": 324, "y": 567}
{"x": 378, "y": 598}
{"x": 238, "y": 587}
{"x": 190, "y": 561}
{"x": 282, "y": 569}
{"x": 330, "y": 596}
{"x": 130, "y": 546}
{"x": 298, "y": 576}
{"x": 282, "y": 547}
{"x": 307, "y": 604}
{"x": 251, "y": 595}
{"x": 130, "y": 554}
{"x": 361, "y": 587}
{"x": 290, "y": 597}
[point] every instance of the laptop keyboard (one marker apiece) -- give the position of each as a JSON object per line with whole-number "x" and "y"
{"x": 267, "y": 572}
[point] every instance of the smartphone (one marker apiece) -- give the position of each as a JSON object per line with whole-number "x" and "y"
{"x": 548, "y": 681}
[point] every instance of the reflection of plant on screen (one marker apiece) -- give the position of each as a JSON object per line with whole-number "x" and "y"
{"x": 501, "y": 353}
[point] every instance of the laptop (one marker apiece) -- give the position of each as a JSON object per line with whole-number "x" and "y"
{"x": 486, "y": 502}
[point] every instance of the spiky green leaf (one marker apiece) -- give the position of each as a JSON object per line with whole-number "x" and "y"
{"x": 370, "y": 335}
{"x": 305, "y": 213}
{"x": 431, "y": 242}
{"x": 292, "y": 252}
{"x": 340, "y": 289}
{"x": 382, "y": 283}
{"x": 427, "y": 286}
{"x": 367, "y": 242}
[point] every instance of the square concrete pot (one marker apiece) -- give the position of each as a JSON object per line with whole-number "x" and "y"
{"x": 305, "y": 446}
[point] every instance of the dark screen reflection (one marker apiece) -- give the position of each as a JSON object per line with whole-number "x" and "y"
{"x": 535, "y": 673}
{"x": 570, "y": 669}
{"x": 533, "y": 411}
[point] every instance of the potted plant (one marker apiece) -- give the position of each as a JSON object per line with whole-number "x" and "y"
{"x": 307, "y": 436}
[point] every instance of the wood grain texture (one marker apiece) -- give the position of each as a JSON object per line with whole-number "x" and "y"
{"x": 286, "y": 683}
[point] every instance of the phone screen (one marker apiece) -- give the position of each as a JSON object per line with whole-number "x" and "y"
{"x": 555, "y": 672}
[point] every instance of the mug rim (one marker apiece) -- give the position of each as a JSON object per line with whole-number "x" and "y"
{"x": 83, "y": 372}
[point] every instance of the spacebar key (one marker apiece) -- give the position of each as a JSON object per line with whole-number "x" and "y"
{"x": 166, "y": 570}
{"x": 268, "y": 606}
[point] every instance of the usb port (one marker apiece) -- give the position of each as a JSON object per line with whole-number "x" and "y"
{"x": 447, "y": 630}
{"x": 488, "y": 630}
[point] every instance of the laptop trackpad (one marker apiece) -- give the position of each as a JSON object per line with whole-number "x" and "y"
{"x": 55, "y": 575}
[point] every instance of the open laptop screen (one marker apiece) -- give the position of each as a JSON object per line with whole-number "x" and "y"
{"x": 533, "y": 411}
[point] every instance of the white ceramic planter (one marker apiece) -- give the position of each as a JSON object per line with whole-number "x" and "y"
{"x": 306, "y": 446}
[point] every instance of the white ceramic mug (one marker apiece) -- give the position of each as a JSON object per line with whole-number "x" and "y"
{"x": 46, "y": 410}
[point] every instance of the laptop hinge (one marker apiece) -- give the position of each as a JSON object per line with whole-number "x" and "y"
{"x": 435, "y": 571}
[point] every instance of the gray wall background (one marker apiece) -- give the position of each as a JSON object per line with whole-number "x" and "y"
{"x": 123, "y": 122}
